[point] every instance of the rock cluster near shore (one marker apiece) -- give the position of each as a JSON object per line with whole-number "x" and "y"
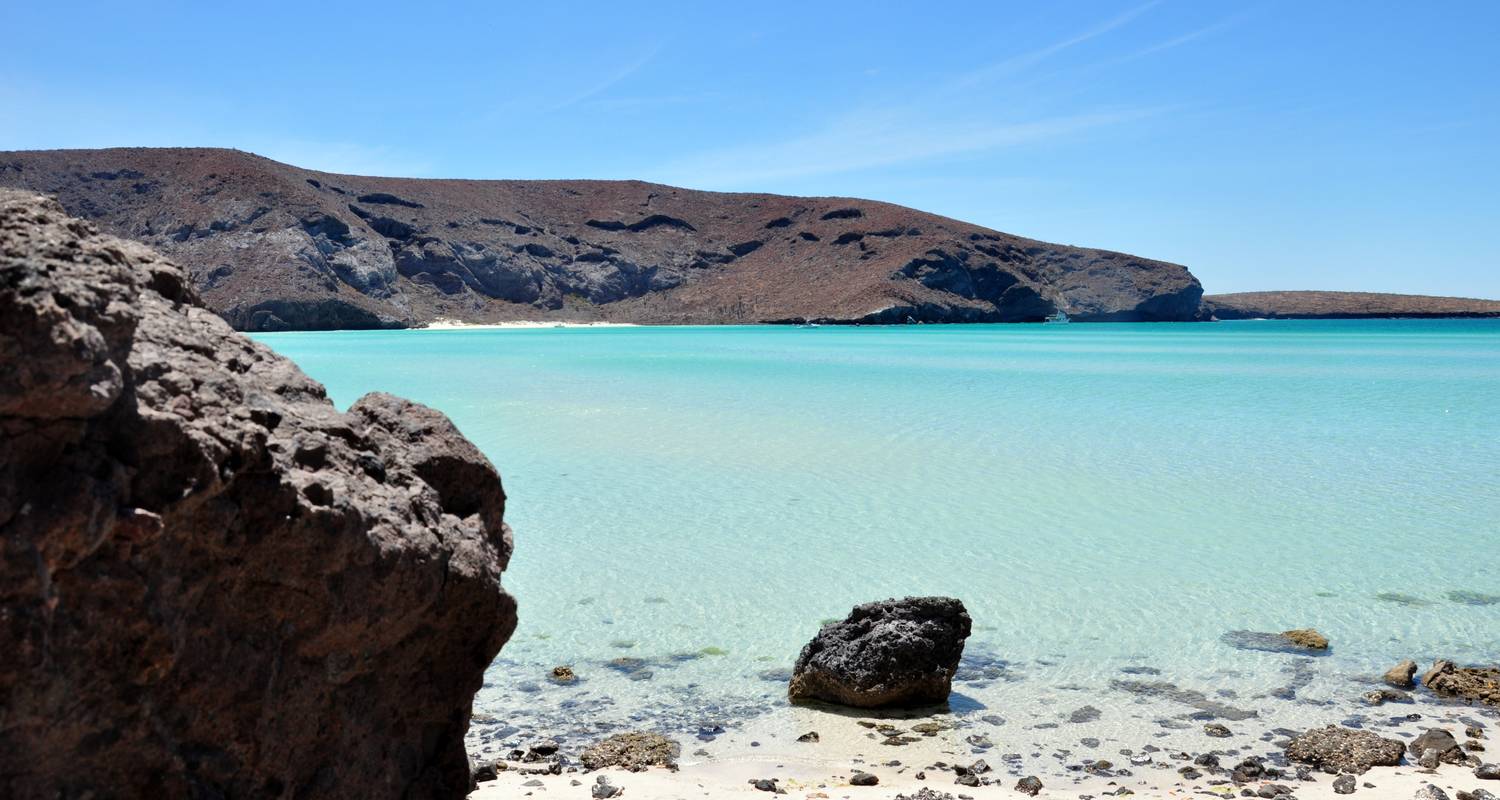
{"x": 214, "y": 584}
{"x": 891, "y": 653}
{"x": 1475, "y": 684}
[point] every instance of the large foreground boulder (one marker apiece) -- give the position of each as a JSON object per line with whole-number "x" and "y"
{"x": 1345, "y": 749}
{"x": 891, "y": 653}
{"x": 212, "y": 583}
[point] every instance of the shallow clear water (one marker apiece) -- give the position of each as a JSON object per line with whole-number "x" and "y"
{"x": 1100, "y": 496}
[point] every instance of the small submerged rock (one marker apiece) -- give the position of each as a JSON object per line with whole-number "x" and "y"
{"x": 564, "y": 675}
{"x": 1400, "y": 599}
{"x": 1217, "y": 731}
{"x": 1304, "y": 641}
{"x": 1085, "y": 714}
{"x": 1379, "y": 697}
{"x": 1468, "y": 598}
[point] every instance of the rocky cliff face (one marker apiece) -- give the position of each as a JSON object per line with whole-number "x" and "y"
{"x": 272, "y": 246}
{"x": 213, "y": 583}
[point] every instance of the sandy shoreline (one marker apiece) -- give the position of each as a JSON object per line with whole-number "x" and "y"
{"x": 1115, "y": 764}
{"x": 441, "y": 324}
{"x": 815, "y": 781}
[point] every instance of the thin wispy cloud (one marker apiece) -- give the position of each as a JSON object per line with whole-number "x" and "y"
{"x": 1018, "y": 63}
{"x": 867, "y": 141}
{"x": 607, "y": 82}
{"x": 1208, "y": 30}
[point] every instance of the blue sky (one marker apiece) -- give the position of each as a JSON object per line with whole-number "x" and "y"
{"x": 1272, "y": 144}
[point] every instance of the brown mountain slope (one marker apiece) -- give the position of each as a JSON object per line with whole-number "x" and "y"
{"x": 272, "y": 246}
{"x": 1343, "y": 305}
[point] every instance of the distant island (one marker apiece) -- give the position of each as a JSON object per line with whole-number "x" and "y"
{"x": 1343, "y": 305}
{"x": 274, "y": 247}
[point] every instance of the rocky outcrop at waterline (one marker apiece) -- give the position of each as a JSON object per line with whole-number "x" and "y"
{"x": 890, "y": 653}
{"x": 1474, "y": 684}
{"x": 274, "y": 247}
{"x": 214, "y": 584}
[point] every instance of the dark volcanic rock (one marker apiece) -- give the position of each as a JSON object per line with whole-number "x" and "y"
{"x": 274, "y": 247}
{"x": 1345, "y": 750}
{"x": 890, "y": 653}
{"x": 214, "y": 583}
{"x": 1031, "y": 785}
{"x": 1441, "y": 742}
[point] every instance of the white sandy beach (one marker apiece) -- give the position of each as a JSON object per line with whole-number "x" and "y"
{"x": 715, "y": 779}
{"x": 727, "y": 766}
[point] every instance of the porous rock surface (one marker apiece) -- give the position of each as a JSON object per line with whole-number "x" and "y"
{"x": 890, "y": 653}
{"x": 271, "y": 246}
{"x": 1474, "y": 684}
{"x": 213, "y": 583}
{"x": 1345, "y": 749}
{"x": 632, "y": 750}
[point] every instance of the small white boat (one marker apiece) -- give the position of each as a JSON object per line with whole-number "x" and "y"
{"x": 1058, "y": 318}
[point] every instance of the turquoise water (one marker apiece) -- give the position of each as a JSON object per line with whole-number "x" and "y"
{"x": 1101, "y": 496}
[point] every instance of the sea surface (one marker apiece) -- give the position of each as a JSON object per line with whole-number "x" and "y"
{"x": 1109, "y": 501}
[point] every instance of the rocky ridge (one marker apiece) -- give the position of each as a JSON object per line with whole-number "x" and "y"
{"x": 213, "y": 583}
{"x": 272, "y": 247}
{"x": 1342, "y": 305}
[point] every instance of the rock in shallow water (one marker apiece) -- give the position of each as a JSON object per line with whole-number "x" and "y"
{"x": 1401, "y": 676}
{"x": 215, "y": 584}
{"x": 1345, "y": 750}
{"x": 890, "y": 653}
{"x": 1303, "y": 641}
